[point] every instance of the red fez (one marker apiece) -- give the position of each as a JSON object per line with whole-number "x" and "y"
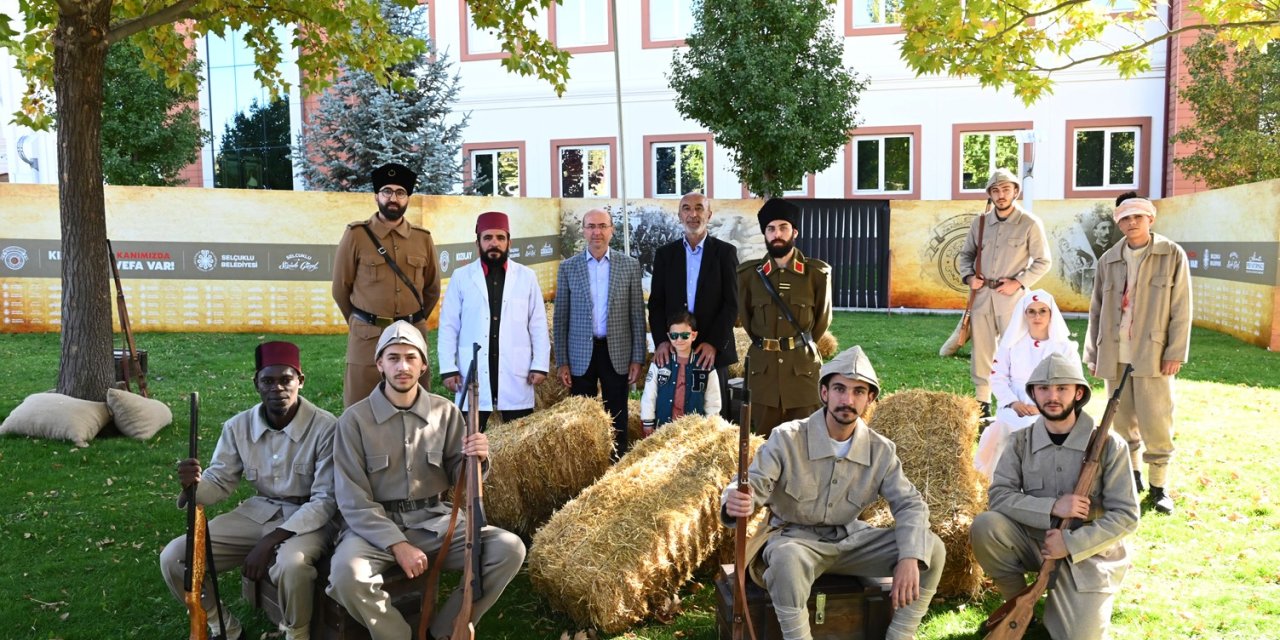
{"x": 273, "y": 353}
{"x": 490, "y": 220}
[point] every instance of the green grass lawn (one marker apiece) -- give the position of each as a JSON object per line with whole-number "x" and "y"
{"x": 81, "y": 529}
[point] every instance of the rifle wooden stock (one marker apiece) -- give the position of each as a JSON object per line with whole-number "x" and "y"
{"x": 1010, "y": 621}
{"x": 130, "y": 361}
{"x": 463, "y": 626}
{"x": 741, "y": 618}
{"x": 197, "y": 539}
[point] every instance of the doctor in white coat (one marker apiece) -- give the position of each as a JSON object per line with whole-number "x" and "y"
{"x": 497, "y": 303}
{"x": 1035, "y": 330}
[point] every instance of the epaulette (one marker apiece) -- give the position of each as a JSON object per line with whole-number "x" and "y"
{"x": 357, "y": 223}
{"x": 818, "y": 265}
{"x": 420, "y": 228}
{"x": 749, "y": 265}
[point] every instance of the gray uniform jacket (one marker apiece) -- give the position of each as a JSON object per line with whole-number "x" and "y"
{"x": 1015, "y": 247}
{"x": 1034, "y": 472}
{"x": 294, "y": 462}
{"x": 384, "y": 454}
{"x": 817, "y": 496}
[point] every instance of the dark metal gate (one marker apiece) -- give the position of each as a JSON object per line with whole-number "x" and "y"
{"x": 853, "y": 237}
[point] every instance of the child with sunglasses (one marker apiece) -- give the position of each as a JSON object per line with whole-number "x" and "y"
{"x": 680, "y": 387}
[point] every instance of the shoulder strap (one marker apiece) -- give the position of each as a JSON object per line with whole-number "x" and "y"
{"x": 982, "y": 226}
{"x": 417, "y": 295}
{"x": 786, "y": 311}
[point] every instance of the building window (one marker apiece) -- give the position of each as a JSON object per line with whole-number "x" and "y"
{"x": 876, "y": 13}
{"x": 1106, "y": 158}
{"x": 665, "y": 23}
{"x": 252, "y": 132}
{"x": 803, "y": 190}
{"x": 983, "y": 153}
{"x": 882, "y": 164}
{"x": 584, "y": 171}
{"x": 494, "y": 169}
{"x": 678, "y": 168}
{"x": 581, "y": 26}
{"x": 484, "y": 44}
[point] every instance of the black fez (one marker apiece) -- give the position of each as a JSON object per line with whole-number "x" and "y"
{"x": 397, "y": 174}
{"x": 778, "y": 209}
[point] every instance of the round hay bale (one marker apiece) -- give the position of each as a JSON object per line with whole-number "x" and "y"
{"x": 541, "y": 461}
{"x": 635, "y": 428}
{"x": 935, "y": 433}
{"x": 743, "y": 342}
{"x": 828, "y": 346}
{"x": 614, "y": 555}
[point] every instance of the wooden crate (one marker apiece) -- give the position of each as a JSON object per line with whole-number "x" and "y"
{"x": 329, "y": 621}
{"x": 850, "y": 608}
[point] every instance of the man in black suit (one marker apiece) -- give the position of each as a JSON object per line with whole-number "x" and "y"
{"x": 697, "y": 274}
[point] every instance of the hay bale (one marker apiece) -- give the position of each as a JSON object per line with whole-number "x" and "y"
{"x": 935, "y": 433}
{"x": 615, "y": 554}
{"x": 743, "y": 342}
{"x": 543, "y": 460}
{"x": 635, "y": 428}
{"x": 828, "y": 346}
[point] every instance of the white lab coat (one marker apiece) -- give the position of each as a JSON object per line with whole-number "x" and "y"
{"x": 523, "y": 342}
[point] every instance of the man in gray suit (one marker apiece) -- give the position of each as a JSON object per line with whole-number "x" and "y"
{"x": 598, "y": 324}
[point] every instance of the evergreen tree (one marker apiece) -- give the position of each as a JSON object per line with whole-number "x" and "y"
{"x": 362, "y": 124}
{"x": 149, "y": 131}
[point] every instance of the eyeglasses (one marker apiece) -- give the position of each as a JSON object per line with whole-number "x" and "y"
{"x": 679, "y": 335}
{"x": 399, "y": 194}
{"x": 1037, "y": 312}
{"x": 597, "y": 227}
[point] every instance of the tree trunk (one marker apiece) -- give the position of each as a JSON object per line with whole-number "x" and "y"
{"x": 80, "y": 48}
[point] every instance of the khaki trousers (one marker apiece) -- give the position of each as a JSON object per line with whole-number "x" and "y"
{"x": 985, "y": 327}
{"x": 233, "y": 537}
{"x": 362, "y": 374}
{"x": 1145, "y": 418}
{"x": 766, "y": 418}
{"x": 355, "y": 579}
{"x": 1006, "y": 551}
{"x": 793, "y": 564}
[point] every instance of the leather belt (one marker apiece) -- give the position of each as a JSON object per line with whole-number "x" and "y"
{"x": 403, "y": 506}
{"x": 779, "y": 344}
{"x": 298, "y": 500}
{"x": 383, "y": 321}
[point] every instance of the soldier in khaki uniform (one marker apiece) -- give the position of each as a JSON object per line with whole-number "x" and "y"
{"x": 396, "y": 451}
{"x": 1015, "y": 255}
{"x": 816, "y": 476}
{"x": 784, "y": 361}
{"x": 1141, "y": 315}
{"x": 369, "y": 292}
{"x": 1034, "y": 484}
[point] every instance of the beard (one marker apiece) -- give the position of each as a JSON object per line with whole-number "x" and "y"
{"x": 391, "y": 215}
{"x": 1057, "y": 416}
{"x": 489, "y": 257}
{"x": 780, "y": 248}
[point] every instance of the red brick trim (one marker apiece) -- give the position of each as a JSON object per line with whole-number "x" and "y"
{"x": 914, "y": 131}
{"x": 584, "y": 142}
{"x": 645, "y": 41}
{"x": 593, "y": 48}
{"x": 853, "y": 30}
{"x": 470, "y": 147}
{"x": 464, "y": 29}
{"x": 649, "y": 141}
{"x": 1142, "y": 172}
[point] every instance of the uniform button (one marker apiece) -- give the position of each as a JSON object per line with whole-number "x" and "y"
{"x": 835, "y": 482}
{"x": 1059, "y": 468}
{"x": 779, "y": 360}
{"x": 275, "y": 457}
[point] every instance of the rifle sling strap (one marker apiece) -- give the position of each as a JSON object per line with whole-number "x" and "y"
{"x": 382, "y": 251}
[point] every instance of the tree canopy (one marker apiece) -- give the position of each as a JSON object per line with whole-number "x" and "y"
{"x": 766, "y": 78}
{"x": 150, "y": 131}
{"x": 1235, "y": 94}
{"x": 1021, "y": 42}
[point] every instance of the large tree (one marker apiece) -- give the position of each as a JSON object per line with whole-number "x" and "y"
{"x": 766, "y": 78}
{"x": 1235, "y": 94}
{"x": 362, "y": 124}
{"x": 1021, "y": 42}
{"x": 150, "y": 130}
{"x": 61, "y": 50}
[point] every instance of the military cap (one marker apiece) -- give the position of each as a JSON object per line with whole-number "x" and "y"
{"x": 852, "y": 363}
{"x": 1003, "y": 175}
{"x": 1060, "y": 369}
{"x": 397, "y": 174}
{"x": 401, "y": 332}
{"x": 779, "y": 209}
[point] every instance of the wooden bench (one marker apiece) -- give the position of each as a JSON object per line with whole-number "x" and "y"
{"x": 840, "y": 607}
{"x": 329, "y": 620}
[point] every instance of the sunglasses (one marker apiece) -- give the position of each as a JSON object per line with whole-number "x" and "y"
{"x": 679, "y": 335}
